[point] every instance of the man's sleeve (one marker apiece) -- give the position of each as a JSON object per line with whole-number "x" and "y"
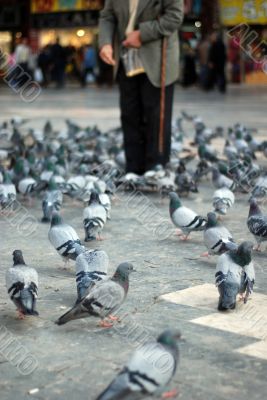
{"x": 107, "y": 23}
{"x": 168, "y": 22}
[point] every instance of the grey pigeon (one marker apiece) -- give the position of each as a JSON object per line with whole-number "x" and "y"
{"x": 229, "y": 150}
{"x": 143, "y": 376}
{"x": 184, "y": 218}
{"x": 52, "y": 201}
{"x": 185, "y": 181}
{"x": 222, "y": 200}
{"x": 91, "y": 267}
{"x": 106, "y": 203}
{"x": 235, "y": 274}
{"x": 22, "y": 285}
{"x": 217, "y": 238}
{"x": 104, "y": 298}
{"x": 7, "y": 193}
{"x": 260, "y": 189}
{"x": 219, "y": 180}
{"x": 63, "y": 237}
{"x": 94, "y": 217}
{"x": 257, "y": 223}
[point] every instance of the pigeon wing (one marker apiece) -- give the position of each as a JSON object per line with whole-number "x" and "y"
{"x": 257, "y": 225}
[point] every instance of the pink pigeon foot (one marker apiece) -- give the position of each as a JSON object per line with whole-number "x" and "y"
{"x": 20, "y": 315}
{"x": 113, "y": 318}
{"x": 105, "y": 324}
{"x": 171, "y": 394}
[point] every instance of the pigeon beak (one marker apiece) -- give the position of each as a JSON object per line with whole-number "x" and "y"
{"x": 134, "y": 270}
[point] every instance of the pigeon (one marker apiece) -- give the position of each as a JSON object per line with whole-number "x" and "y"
{"x": 52, "y": 200}
{"x": 207, "y": 152}
{"x": 63, "y": 237}
{"x": 260, "y": 189}
{"x": 22, "y": 285}
{"x": 8, "y": 192}
{"x": 91, "y": 267}
{"x": 219, "y": 180}
{"x": 240, "y": 144}
{"x": 185, "y": 181}
{"x": 217, "y": 238}
{"x": 222, "y": 200}
{"x": 27, "y": 185}
{"x": 143, "y": 376}
{"x": 103, "y": 299}
{"x": 235, "y": 274}
{"x": 230, "y": 151}
{"x": 94, "y": 217}
{"x": 185, "y": 218}
{"x": 257, "y": 223}
{"x": 106, "y": 203}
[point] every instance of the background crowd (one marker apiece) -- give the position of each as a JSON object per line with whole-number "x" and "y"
{"x": 205, "y": 62}
{"x": 55, "y": 64}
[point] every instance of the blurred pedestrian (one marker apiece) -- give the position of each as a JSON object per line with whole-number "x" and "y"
{"x": 58, "y": 61}
{"x": 216, "y": 62}
{"x": 89, "y": 64}
{"x": 203, "y": 55}
{"x": 189, "y": 66}
{"x": 137, "y": 57}
{"x": 22, "y": 54}
{"x": 44, "y": 63}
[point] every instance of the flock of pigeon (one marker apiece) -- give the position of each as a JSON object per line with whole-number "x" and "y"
{"x": 87, "y": 165}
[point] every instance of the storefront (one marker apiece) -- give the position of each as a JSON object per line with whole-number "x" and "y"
{"x": 14, "y": 19}
{"x": 74, "y": 22}
{"x": 245, "y": 23}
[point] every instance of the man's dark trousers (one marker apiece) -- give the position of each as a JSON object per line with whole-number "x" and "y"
{"x": 140, "y": 116}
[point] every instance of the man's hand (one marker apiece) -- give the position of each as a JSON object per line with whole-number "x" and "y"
{"x": 106, "y": 54}
{"x": 133, "y": 40}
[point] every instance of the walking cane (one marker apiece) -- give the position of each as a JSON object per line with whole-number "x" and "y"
{"x": 162, "y": 95}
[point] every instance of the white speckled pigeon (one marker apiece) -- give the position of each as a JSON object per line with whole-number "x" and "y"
{"x": 257, "y": 223}
{"x": 94, "y": 217}
{"x": 235, "y": 274}
{"x": 22, "y": 285}
{"x": 63, "y": 237}
{"x": 143, "y": 376}
{"x": 185, "y": 218}
{"x": 222, "y": 200}
{"x": 91, "y": 267}
{"x": 104, "y": 298}
{"x": 217, "y": 238}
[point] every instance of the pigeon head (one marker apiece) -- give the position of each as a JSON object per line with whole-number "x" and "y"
{"x": 169, "y": 337}
{"x": 212, "y": 220}
{"x": 122, "y": 273}
{"x": 56, "y": 219}
{"x": 18, "y": 257}
{"x": 94, "y": 198}
{"x": 254, "y": 208}
{"x": 242, "y": 255}
{"x": 175, "y": 202}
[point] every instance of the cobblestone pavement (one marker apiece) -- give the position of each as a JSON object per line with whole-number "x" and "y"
{"x": 222, "y": 357}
